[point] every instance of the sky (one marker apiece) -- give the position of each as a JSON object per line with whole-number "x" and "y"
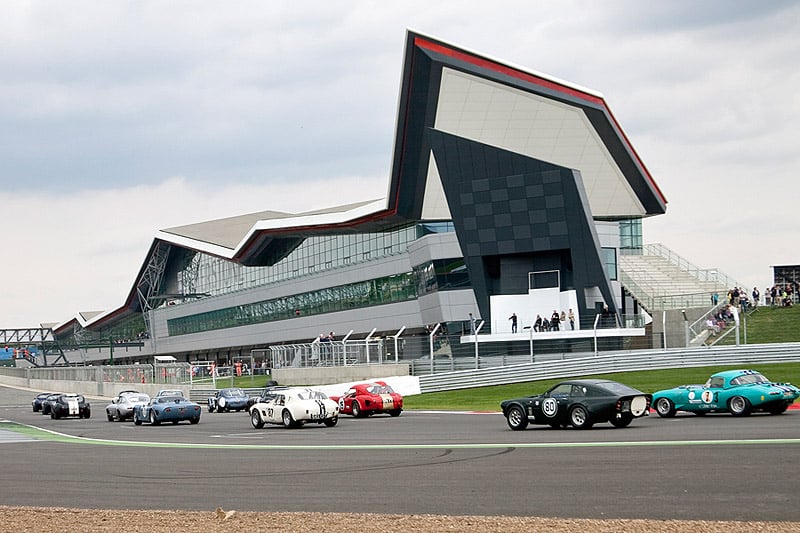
{"x": 118, "y": 119}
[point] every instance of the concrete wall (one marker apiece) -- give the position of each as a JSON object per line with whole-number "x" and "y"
{"x": 329, "y": 375}
{"x": 89, "y": 388}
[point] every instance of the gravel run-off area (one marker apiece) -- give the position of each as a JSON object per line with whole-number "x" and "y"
{"x": 20, "y": 519}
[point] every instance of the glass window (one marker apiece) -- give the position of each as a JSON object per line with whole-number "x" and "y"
{"x": 610, "y": 261}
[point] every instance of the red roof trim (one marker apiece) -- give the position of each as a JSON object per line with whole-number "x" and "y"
{"x": 541, "y": 82}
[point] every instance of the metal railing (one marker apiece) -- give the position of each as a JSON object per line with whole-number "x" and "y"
{"x": 572, "y": 365}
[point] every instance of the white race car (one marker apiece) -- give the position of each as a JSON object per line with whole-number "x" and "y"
{"x": 293, "y": 407}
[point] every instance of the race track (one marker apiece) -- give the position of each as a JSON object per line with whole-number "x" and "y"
{"x": 716, "y": 467}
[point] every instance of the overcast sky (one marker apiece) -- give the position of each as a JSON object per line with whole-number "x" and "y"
{"x": 122, "y": 118}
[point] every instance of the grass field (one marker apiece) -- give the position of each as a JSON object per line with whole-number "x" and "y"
{"x": 773, "y": 324}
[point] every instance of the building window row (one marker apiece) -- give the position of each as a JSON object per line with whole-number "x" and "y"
{"x": 445, "y": 274}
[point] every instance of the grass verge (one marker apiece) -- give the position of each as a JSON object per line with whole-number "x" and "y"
{"x": 489, "y": 398}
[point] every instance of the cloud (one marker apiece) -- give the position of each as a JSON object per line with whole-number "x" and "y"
{"x": 82, "y": 251}
{"x": 102, "y": 102}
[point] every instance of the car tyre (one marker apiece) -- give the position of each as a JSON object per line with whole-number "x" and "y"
{"x": 109, "y": 416}
{"x": 194, "y": 420}
{"x": 153, "y": 419}
{"x": 330, "y": 422}
{"x": 288, "y": 419}
{"x": 255, "y": 419}
{"x": 778, "y": 409}
{"x": 356, "y": 409}
{"x": 516, "y": 418}
{"x": 622, "y": 421}
{"x": 579, "y": 417}
{"x": 395, "y": 412}
{"x": 87, "y": 413}
{"x": 136, "y": 420}
{"x": 739, "y": 406}
{"x": 665, "y": 408}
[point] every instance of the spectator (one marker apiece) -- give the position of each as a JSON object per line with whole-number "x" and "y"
{"x": 571, "y": 319}
{"x": 554, "y": 320}
{"x": 513, "y": 319}
{"x": 537, "y": 326}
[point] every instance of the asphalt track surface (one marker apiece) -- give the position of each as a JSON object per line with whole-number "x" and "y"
{"x": 714, "y": 468}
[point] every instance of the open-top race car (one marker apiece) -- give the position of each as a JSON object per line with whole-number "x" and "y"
{"x": 293, "y": 407}
{"x": 365, "y": 399}
{"x": 580, "y": 403}
{"x": 738, "y": 392}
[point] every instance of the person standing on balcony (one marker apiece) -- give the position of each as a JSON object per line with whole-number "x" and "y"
{"x": 571, "y": 317}
{"x": 554, "y": 319}
{"x": 513, "y": 319}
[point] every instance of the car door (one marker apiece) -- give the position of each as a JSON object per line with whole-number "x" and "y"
{"x": 712, "y": 395}
{"x": 554, "y": 405}
{"x": 274, "y": 408}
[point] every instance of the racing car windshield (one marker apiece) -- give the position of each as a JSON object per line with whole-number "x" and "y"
{"x": 749, "y": 379}
{"x": 312, "y": 395}
{"x": 618, "y": 388}
{"x": 380, "y": 389}
{"x": 169, "y": 399}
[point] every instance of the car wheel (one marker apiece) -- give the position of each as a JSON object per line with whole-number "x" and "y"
{"x": 356, "y": 409}
{"x": 53, "y": 414}
{"x": 778, "y": 409}
{"x": 622, "y": 421}
{"x": 288, "y": 420}
{"x": 579, "y": 417}
{"x": 210, "y": 407}
{"x": 109, "y": 416}
{"x": 665, "y": 408}
{"x": 153, "y": 419}
{"x": 330, "y": 422}
{"x": 739, "y": 406}
{"x": 136, "y": 419}
{"x": 516, "y": 419}
{"x": 194, "y": 420}
{"x": 255, "y": 419}
{"x": 395, "y": 412}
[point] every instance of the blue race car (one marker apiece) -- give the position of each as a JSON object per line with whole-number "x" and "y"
{"x": 231, "y": 399}
{"x": 167, "y": 409}
{"x": 738, "y": 392}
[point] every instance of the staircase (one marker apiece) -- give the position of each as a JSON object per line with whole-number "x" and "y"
{"x": 661, "y": 280}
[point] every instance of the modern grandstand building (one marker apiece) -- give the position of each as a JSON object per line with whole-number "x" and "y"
{"x": 510, "y": 193}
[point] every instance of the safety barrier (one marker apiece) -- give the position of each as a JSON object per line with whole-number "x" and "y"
{"x": 607, "y": 362}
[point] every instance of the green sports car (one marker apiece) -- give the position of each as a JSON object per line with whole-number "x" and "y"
{"x": 738, "y": 392}
{"x": 580, "y": 403}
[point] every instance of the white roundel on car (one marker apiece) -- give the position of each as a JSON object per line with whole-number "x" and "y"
{"x": 550, "y": 407}
{"x": 638, "y": 405}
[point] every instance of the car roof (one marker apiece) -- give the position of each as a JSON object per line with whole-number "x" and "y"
{"x": 589, "y": 382}
{"x": 734, "y": 373}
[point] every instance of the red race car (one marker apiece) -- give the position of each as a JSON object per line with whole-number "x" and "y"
{"x": 366, "y": 399}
